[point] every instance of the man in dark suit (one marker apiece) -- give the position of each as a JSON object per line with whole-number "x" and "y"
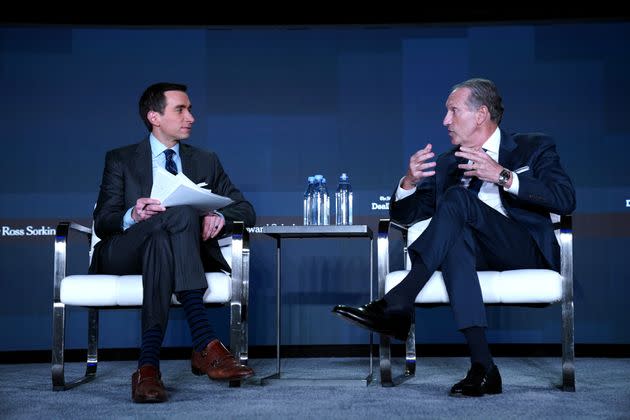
{"x": 171, "y": 247}
{"x": 490, "y": 199}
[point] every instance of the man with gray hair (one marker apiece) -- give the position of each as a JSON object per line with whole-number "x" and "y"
{"x": 489, "y": 199}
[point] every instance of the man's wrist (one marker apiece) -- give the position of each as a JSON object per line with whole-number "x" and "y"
{"x": 407, "y": 185}
{"x": 505, "y": 178}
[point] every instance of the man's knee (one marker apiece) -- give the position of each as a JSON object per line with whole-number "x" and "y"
{"x": 455, "y": 200}
{"x": 159, "y": 237}
{"x": 182, "y": 217}
{"x": 457, "y": 194}
{"x": 183, "y": 212}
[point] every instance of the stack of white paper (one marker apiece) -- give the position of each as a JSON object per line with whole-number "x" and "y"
{"x": 178, "y": 190}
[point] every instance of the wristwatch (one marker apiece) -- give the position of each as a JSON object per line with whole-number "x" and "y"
{"x": 504, "y": 177}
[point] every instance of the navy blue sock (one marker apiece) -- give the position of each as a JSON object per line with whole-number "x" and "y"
{"x": 478, "y": 346}
{"x": 150, "y": 350}
{"x": 197, "y": 317}
{"x": 403, "y": 295}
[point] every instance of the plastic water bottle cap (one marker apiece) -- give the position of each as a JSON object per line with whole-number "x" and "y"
{"x": 343, "y": 177}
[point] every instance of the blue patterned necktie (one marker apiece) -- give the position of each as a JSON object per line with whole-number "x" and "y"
{"x": 475, "y": 184}
{"x": 170, "y": 164}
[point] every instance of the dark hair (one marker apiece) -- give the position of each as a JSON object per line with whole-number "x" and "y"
{"x": 483, "y": 92}
{"x": 153, "y": 99}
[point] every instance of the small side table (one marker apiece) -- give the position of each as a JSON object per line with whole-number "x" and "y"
{"x": 316, "y": 231}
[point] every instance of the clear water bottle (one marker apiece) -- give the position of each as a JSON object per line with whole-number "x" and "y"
{"x": 317, "y": 202}
{"x": 326, "y": 218}
{"x": 308, "y": 198}
{"x": 343, "y": 201}
{"x": 322, "y": 201}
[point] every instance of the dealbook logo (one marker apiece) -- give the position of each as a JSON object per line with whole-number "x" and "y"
{"x": 382, "y": 203}
{"x": 27, "y": 231}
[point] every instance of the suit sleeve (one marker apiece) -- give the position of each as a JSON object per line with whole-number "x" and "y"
{"x": 418, "y": 206}
{"x": 546, "y": 186}
{"x": 240, "y": 209}
{"x": 110, "y": 206}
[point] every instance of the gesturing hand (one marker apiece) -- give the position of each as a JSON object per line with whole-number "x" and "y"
{"x": 481, "y": 165}
{"x": 145, "y": 208}
{"x": 419, "y": 168}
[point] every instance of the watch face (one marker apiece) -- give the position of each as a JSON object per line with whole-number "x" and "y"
{"x": 504, "y": 177}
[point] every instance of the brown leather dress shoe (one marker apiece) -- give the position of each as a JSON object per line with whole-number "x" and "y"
{"x": 146, "y": 385}
{"x": 218, "y": 363}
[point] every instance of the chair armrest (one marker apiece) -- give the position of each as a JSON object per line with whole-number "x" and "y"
{"x": 385, "y": 227}
{"x": 60, "y": 257}
{"x": 566, "y": 254}
{"x": 240, "y": 261}
{"x": 240, "y": 245}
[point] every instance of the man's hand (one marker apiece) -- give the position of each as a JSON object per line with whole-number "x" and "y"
{"x": 419, "y": 168}
{"x": 211, "y": 226}
{"x": 481, "y": 165}
{"x": 145, "y": 208}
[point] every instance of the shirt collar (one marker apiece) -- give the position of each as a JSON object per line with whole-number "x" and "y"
{"x": 492, "y": 144}
{"x": 157, "y": 147}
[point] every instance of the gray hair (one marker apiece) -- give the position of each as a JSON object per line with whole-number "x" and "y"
{"x": 483, "y": 92}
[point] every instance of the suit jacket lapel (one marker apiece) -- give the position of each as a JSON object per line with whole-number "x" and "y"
{"x": 506, "y": 147}
{"x": 189, "y": 166}
{"x": 144, "y": 167}
{"x": 452, "y": 174}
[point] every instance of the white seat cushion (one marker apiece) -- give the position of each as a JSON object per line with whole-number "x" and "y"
{"x": 111, "y": 290}
{"x": 513, "y": 286}
{"x": 108, "y": 290}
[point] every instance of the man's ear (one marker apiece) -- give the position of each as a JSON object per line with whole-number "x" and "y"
{"x": 482, "y": 114}
{"x": 153, "y": 117}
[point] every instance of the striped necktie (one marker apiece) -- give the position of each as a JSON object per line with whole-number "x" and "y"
{"x": 170, "y": 163}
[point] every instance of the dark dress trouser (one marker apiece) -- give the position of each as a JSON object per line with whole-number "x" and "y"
{"x": 466, "y": 235}
{"x": 165, "y": 250}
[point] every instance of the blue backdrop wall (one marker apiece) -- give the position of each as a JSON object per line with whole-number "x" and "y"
{"x": 281, "y": 103}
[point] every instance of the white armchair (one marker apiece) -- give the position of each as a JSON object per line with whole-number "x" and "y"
{"x": 96, "y": 292}
{"x": 532, "y": 288}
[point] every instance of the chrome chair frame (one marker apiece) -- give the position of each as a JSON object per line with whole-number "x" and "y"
{"x": 564, "y": 233}
{"x": 238, "y": 306}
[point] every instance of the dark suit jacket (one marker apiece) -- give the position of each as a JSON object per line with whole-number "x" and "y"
{"x": 544, "y": 188}
{"x": 128, "y": 175}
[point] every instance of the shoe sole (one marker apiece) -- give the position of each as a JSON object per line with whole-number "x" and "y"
{"x": 199, "y": 372}
{"x": 356, "y": 321}
{"x": 233, "y": 378}
{"x": 469, "y": 394}
{"x": 149, "y": 400}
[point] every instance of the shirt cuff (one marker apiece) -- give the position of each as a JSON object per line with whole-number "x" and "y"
{"x": 218, "y": 213}
{"x": 403, "y": 193}
{"x": 515, "y": 184}
{"x": 128, "y": 220}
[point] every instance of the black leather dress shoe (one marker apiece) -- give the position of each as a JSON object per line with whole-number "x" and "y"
{"x": 479, "y": 381}
{"x": 375, "y": 317}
